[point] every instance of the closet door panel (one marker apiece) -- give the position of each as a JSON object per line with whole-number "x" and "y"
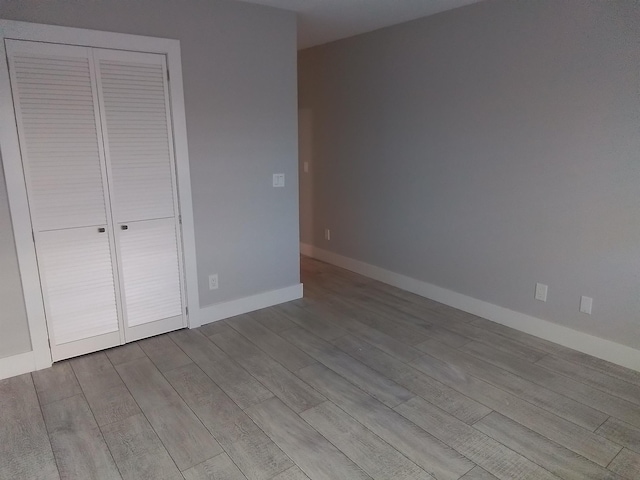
{"x": 56, "y": 116}
{"x": 78, "y": 283}
{"x": 56, "y": 106}
{"x": 134, "y": 101}
{"x": 150, "y": 271}
{"x": 133, "y": 92}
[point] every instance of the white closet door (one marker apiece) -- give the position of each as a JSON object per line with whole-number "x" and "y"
{"x": 133, "y": 94}
{"x": 150, "y": 271}
{"x": 54, "y": 99}
{"x": 58, "y": 125}
{"x": 80, "y": 301}
{"x": 134, "y": 100}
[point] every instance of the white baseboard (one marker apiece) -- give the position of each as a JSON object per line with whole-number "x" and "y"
{"x": 583, "y": 342}
{"x": 17, "y": 365}
{"x": 306, "y": 249}
{"x": 232, "y": 308}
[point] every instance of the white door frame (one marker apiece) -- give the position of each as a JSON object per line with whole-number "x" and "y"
{"x": 12, "y": 162}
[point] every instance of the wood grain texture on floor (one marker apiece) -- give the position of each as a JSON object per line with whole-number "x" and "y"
{"x": 358, "y": 380}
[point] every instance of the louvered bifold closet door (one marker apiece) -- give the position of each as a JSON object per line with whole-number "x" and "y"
{"x": 57, "y": 116}
{"x": 134, "y": 103}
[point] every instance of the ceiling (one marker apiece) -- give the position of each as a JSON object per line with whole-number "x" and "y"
{"x": 322, "y": 21}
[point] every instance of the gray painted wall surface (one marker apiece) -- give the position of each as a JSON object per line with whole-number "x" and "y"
{"x": 486, "y": 149}
{"x": 239, "y": 69}
{"x": 14, "y": 330}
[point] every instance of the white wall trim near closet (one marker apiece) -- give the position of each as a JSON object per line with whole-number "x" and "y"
{"x": 17, "y": 365}
{"x": 40, "y": 357}
{"x": 231, "y": 308}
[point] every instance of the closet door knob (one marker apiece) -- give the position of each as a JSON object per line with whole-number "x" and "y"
{"x": 101, "y": 230}
{"x": 124, "y": 227}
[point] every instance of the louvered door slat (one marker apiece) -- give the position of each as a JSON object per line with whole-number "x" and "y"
{"x": 78, "y": 283}
{"x": 46, "y": 82}
{"x": 150, "y": 271}
{"x": 125, "y": 86}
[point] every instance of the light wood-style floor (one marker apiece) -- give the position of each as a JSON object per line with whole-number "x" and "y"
{"x": 359, "y": 380}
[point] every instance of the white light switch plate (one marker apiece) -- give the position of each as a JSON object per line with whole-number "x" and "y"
{"x": 541, "y": 292}
{"x": 586, "y": 303}
{"x": 278, "y": 179}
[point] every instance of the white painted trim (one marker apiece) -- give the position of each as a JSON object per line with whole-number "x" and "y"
{"x": 12, "y": 163}
{"x": 223, "y": 310}
{"x": 583, "y": 342}
{"x": 17, "y": 365}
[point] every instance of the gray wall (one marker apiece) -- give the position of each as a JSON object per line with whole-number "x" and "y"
{"x": 239, "y": 69}
{"x": 14, "y": 330}
{"x": 486, "y": 149}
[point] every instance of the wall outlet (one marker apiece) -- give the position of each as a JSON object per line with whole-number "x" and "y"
{"x": 305, "y": 167}
{"x": 327, "y": 234}
{"x": 541, "y": 292}
{"x": 586, "y": 303}
{"x": 213, "y": 281}
{"x": 278, "y": 179}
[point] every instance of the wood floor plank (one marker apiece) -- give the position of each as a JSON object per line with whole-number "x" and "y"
{"x": 377, "y": 385}
{"x": 293, "y": 473}
{"x": 384, "y": 342}
{"x": 25, "y": 450}
{"x": 125, "y": 353}
{"x": 231, "y": 377}
{"x": 164, "y": 353}
{"x": 491, "y": 455}
{"x": 450, "y": 400}
{"x": 307, "y": 320}
{"x": 449, "y": 313}
{"x": 108, "y": 397}
{"x": 77, "y": 442}
{"x": 272, "y": 344}
{"x": 375, "y": 456}
{"x": 219, "y": 467}
{"x": 553, "y": 457}
{"x": 496, "y": 341}
{"x": 520, "y": 337}
{"x": 581, "y": 392}
{"x": 549, "y": 400}
{"x": 296, "y": 394}
{"x": 310, "y": 450}
{"x": 478, "y": 474}
{"x": 592, "y": 377}
{"x": 212, "y": 328}
{"x": 627, "y": 465}
{"x": 621, "y": 433}
{"x": 55, "y": 383}
{"x": 252, "y": 451}
{"x": 138, "y": 452}
{"x": 406, "y": 334}
{"x": 616, "y": 371}
{"x": 397, "y": 315}
{"x": 397, "y": 297}
{"x": 568, "y": 434}
{"x": 185, "y": 438}
{"x": 436, "y": 458}
{"x": 273, "y": 319}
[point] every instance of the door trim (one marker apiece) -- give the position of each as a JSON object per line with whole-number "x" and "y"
{"x": 12, "y": 163}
